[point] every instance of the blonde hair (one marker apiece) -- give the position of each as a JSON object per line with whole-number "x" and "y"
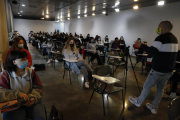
{"x": 67, "y": 46}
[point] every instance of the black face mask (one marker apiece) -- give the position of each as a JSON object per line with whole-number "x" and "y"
{"x": 71, "y": 45}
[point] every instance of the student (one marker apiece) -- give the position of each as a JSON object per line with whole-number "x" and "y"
{"x": 122, "y": 43}
{"x": 115, "y": 44}
{"x": 135, "y": 43}
{"x": 48, "y": 46}
{"x": 18, "y": 45}
{"x": 91, "y": 50}
{"x": 106, "y": 42}
{"x": 70, "y": 51}
{"x": 21, "y": 82}
{"x": 25, "y": 43}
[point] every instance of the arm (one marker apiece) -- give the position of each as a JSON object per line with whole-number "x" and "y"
{"x": 6, "y": 94}
{"x": 154, "y": 49}
{"x": 44, "y": 44}
{"x": 37, "y": 89}
{"x": 65, "y": 53}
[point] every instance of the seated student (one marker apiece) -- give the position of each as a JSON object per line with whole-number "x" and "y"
{"x": 142, "y": 58}
{"x": 21, "y": 82}
{"x": 25, "y": 43}
{"x": 115, "y": 44}
{"x": 106, "y": 42}
{"x": 48, "y": 46}
{"x": 122, "y": 43}
{"x": 18, "y": 45}
{"x": 91, "y": 50}
{"x": 100, "y": 45}
{"x": 77, "y": 41}
{"x": 70, "y": 51}
{"x": 135, "y": 43}
{"x": 82, "y": 39}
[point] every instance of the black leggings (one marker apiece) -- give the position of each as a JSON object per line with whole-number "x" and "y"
{"x": 175, "y": 78}
{"x": 93, "y": 56}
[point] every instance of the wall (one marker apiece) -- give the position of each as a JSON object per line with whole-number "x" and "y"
{"x": 59, "y": 26}
{"x": 25, "y": 26}
{"x": 131, "y": 24}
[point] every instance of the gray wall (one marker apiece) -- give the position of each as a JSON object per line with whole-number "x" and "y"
{"x": 131, "y": 24}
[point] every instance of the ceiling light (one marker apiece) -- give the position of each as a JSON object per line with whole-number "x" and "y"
{"x": 79, "y": 12}
{"x": 42, "y": 18}
{"x": 79, "y": 17}
{"x": 104, "y": 12}
{"x": 68, "y": 18}
{"x": 68, "y": 15}
{"x": 117, "y": 3}
{"x": 23, "y": 5}
{"x": 117, "y": 9}
{"x": 93, "y": 14}
{"x": 18, "y": 12}
{"x": 135, "y": 0}
{"x": 47, "y": 16}
{"x": 21, "y": 11}
{"x": 161, "y": 3}
{"x": 85, "y": 15}
{"x": 135, "y": 7}
{"x": 61, "y": 19}
{"x": 20, "y": 15}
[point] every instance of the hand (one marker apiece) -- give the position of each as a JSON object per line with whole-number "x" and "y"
{"x": 24, "y": 97}
{"x": 30, "y": 102}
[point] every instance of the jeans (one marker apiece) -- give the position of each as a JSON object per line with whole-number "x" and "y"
{"x": 154, "y": 78}
{"x": 34, "y": 112}
{"x": 85, "y": 68}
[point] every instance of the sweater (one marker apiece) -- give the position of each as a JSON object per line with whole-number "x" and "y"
{"x": 164, "y": 51}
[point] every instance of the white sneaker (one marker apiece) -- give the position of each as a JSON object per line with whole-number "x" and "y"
{"x": 134, "y": 101}
{"x": 153, "y": 110}
{"x": 56, "y": 61}
{"x": 87, "y": 84}
{"x": 48, "y": 61}
{"x": 173, "y": 95}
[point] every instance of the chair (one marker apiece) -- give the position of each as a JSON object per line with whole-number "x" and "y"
{"x": 174, "y": 109}
{"x": 114, "y": 61}
{"x": 100, "y": 87}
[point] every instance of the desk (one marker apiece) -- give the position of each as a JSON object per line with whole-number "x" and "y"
{"x": 69, "y": 60}
{"x": 143, "y": 55}
{"x": 106, "y": 80}
{"x": 118, "y": 57}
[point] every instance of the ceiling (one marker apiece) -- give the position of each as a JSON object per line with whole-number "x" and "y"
{"x": 64, "y": 9}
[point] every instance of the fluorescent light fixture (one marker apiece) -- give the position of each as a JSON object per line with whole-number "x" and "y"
{"x": 79, "y": 12}
{"x": 104, "y": 12}
{"x": 135, "y": 7}
{"x": 79, "y": 17}
{"x": 117, "y": 9}
{"x": 58, "y": 17}
{"x": 135, "y": 0}
{"x": 18, "y": 12}
{"x": 21, "y": 11}
{"x": 68, "y": 18}
{"x": 93, "y": 8}
{"x": 117, "y": 3}
{"x": 20, "y": 15}
{"x": 85, "y": 15}
{"x": 47, "y": 16}
{"x": 42, "y": 18}
{"x": 161, "y": 3}
{"x": 93, "y": 14}
{"x": 23, "y": 5}
{"x": 68, "y": 15}
{"x": 61, "y": 19}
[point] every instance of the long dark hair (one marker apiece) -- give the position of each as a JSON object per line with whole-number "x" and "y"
{"x": 13, "y": 55}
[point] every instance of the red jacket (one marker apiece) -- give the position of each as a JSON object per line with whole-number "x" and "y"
{"x": 28, "y": 56}
{"x": 135, "y": 46}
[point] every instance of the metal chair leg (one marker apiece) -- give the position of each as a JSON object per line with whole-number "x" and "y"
{"x": 91, "y": 96}
{"x": 123, "y": 100}
{"x": 103, "y": 104}
{"x": 64, "y": 73}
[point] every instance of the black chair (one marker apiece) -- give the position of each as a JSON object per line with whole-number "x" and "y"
{"x": 101, "y": 87}
{"x": 174, "y": 109}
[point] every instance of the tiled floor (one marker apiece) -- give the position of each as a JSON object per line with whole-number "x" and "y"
{"x": 73, "y": 99}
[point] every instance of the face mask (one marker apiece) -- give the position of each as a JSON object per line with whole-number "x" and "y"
{"x": 92, "y": 41}
{"x": 20, "y": 46}
{"x": 99, "y": 39}
{"x": 158, "y": 31}
{"x": 122, "y": 38}
{"x": 23, "y": 64}
{"x": 48, "y": 39}
{"x": 71, "y": 45}
{"x": 76, "y": 38}
{"x": 107, "y": 37}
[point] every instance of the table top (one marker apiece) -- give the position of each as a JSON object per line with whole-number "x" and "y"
{"x": 143, "y": 54}
{"x": 177, "y": 61}
{"x": 114, "y": 56}
{"x": 69, "y": 60}
{"x": 108, "y": 80}
{"x": 55, "y": 52}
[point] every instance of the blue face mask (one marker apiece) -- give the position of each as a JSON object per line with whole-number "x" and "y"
{"x": 99, "y": 39}
{"x": 76, "y": 38}
{"x": 48, "y": 39}
{"x": 23, "y": 64}
{"x": 92, "y": 41}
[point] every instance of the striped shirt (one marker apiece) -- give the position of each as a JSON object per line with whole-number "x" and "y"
{"x": 164, "y": 51}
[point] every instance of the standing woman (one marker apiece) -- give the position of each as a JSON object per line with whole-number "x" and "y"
{"x": 19, "y": 45}
{"x": 21, "y": 82}
{"x": 70, "y": 51}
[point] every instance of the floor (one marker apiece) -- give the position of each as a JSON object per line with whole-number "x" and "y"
{"x": 73, "y": 99}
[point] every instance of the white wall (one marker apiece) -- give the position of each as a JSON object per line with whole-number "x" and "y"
{"x": 59, "y": 26}
{"x": 130, "y": 23}
{"x": 25, "y": 26}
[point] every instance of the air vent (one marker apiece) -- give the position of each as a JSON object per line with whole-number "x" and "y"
{"x": 32, "y": 6}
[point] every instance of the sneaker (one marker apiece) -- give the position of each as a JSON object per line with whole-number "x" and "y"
{"x": 48, "y": 61}
{"x": 173, "y": 95}
{"x": 56, "y": 61}
{"x": 134, "y": 101}
{"x": 153, "y": 110}
{"x": 87, "y": 84}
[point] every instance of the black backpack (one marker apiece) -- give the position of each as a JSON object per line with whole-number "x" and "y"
{"x": 39, "y": 67}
